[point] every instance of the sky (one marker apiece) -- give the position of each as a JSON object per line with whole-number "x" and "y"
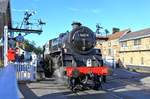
{"x": 59, "y": 14}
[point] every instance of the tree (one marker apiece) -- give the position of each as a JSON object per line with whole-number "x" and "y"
{"x": 106, "y": 31}
{"x": 38, "y": 50}
{"x": 98, "y": 27}
{"x": 30, "y": 46}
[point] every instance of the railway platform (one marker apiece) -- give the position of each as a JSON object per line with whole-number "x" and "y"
{"x": 122, "y": 84}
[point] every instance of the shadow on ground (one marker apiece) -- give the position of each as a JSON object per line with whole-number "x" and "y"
{"x": 113, "y": 89}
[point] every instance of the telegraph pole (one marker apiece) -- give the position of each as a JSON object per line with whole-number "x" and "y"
{"x": 27, "y": 26}
{"x": 22, "y": 29}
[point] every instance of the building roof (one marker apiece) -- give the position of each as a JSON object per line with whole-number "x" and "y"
{"x": 3, "y": 6}
{"x": 5, "y": 12}
{"x": 136, "y": 34}
{"x": 98, "y": 37}
{"x": 117, "y": 35}
{"x": 5, "y": 15}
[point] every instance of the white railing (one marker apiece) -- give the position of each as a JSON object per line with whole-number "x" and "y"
{"x": 25, "y": 71}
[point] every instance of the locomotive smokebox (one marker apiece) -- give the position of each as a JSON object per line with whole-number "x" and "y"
{"x": 82, "y": 39}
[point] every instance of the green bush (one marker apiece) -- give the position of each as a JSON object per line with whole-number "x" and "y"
{"x": 134, "y": 70}
{"x": 1, "y": 63}
{"x": 128, "y": 69}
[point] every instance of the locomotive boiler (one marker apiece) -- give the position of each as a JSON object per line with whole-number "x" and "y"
{"x": 75, "y": 52}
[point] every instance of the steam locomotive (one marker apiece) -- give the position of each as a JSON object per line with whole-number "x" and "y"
{"x": 75, "y": 52}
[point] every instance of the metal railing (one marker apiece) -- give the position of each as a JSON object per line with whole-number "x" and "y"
{"x": 25, "y": 71}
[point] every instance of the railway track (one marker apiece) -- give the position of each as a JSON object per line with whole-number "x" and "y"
{"x": 79, "y": 94}
{"x": 130, "y": 82}
{"x": 87, "y": 94}
{"x": 127, "y": 81}
{"x": 137, "y": 85}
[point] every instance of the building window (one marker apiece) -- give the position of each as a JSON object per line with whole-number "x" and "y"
{"x": 123, "y": 59}
{"x": 109, "y": 52}
{"x": 142, "y": 60}
{"x": 137, "y": 42}
{"x": 131, "y": 60}
{"x": 124, "y": 44}
{"x": 99, "y": 42}
{"x": 109, "y": 44}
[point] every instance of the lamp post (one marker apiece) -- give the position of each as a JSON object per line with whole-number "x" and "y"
{"x": 5, "y": 45}
{"x": 114, "y": 64}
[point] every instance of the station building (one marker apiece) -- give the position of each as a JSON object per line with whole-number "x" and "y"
{"x": 110, "y": 46}
{"x": 135, "y": 49}
{"x": 129, "y": 49}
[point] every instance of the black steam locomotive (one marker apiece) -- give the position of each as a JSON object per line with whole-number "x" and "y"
{"x": 75, "y": 48}
{"x": 72, "y": 49}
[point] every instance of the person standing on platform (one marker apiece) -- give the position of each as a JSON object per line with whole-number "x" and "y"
{"x": 22, "y": 57}
{"x": 17, "y": 56}
{"x": 20, "y": 40}
{"x": 11, "y": 42}
{"x": 11, "y": 55}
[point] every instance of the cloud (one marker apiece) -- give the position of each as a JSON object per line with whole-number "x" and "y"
{"x": 21, "y": 10}
{"x": 73, "y": 9}
{"x": 93, "y": 11}
{"x": 36, "y": 0}
{"x": 18, "y": 10}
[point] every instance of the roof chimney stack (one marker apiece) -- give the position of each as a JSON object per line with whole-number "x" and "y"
{"x": 114, "y": 30}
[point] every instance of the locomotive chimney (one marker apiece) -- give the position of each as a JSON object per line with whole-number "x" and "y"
{"x": 76, "y": 24}
{"x": 114, "y": 30}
